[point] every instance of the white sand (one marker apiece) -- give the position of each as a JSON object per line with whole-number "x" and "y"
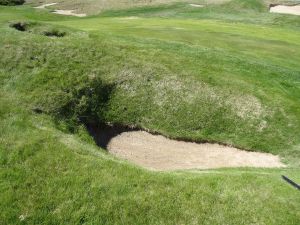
{"x": 60, "y": 11}
{"x": 68, "y": 13}
{"x": 159, "y": 153}
{"x": 45, "y": 5}
{"x": 294, "y": 10}
{"x": 196, "y": 5}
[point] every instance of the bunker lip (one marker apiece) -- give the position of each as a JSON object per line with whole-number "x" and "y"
{"x": 103, "y": 133}
{"x": 156, "y": 152}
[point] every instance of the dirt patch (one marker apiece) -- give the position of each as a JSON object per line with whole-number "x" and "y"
{"x": 285, "y": 9}
{"x": 156, "y": 152}
{"x": 68, "y": 13}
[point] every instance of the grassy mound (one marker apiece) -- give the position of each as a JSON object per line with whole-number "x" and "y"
{"x": 250, "y": 12}
{"x": 202, "y": 91}
{"x": 240, "y": 5}
{"x": 96, "y": 6}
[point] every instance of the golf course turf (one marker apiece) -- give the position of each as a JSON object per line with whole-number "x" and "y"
{"x": 226, "y": 73}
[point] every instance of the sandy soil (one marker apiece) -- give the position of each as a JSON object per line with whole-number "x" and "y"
{"x": 68, "y": 13}
{"x": 295, "y": 10}
{"x": 45, "y": 5}
{"x": 159, "y": 153}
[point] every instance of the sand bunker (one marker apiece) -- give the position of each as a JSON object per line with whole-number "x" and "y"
{"x": 159, "y": 153}
{"x": 294, "y": 10}
{"x": 45, "y": 5}
{"x": 60, "y": 11}
{"x": 68, "y": 13}
{"x": 196, "y": 5}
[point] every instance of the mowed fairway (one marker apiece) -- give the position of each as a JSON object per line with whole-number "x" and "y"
{"x": 203, "y": 75}
{"x": 254, "y": 42}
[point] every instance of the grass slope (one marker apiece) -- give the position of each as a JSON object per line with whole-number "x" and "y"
{"x": 185, "y": 76}
{"x": 93, "y": 7}
{"x": 96, "y": 6}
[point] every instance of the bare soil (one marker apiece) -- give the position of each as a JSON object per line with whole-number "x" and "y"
{"x": 156, "y": 152}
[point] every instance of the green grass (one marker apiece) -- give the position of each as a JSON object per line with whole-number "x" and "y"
{"x": 96, "y": 6}
{"x": 230, "y": 11}
{"x": 199, "y": 74}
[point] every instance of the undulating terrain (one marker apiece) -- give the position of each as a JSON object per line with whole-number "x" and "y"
{"x": 227, "y": 72}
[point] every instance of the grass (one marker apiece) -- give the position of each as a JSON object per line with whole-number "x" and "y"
{"x": 198, "y": 74}
{"x": 95, "y": 6}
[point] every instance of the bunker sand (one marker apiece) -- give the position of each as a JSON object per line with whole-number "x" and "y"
{"x": 69, "y": 13}
{"x": 61, "y": 11}
{"x": 156, "y": 152}
{"x": 294, "y": 10}
{"x": 196, "y": 5}
{"x": 45, "y": 5}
